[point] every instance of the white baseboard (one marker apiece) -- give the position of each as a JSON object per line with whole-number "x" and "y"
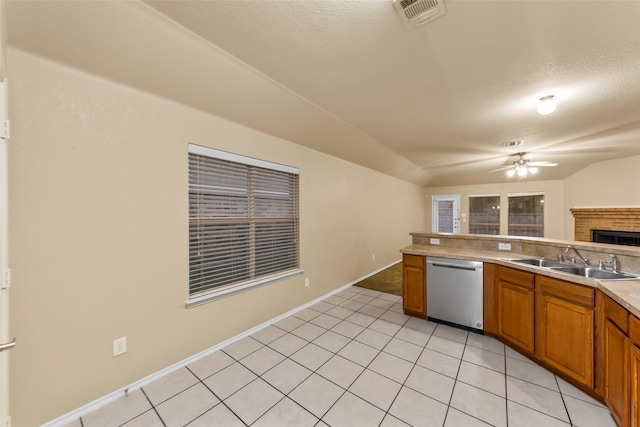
{"x": 105, "y": 400}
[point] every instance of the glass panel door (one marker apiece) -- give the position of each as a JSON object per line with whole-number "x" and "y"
{"x": 446, "y": 214}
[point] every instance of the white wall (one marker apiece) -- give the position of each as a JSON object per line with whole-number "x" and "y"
{"x": 98, "y": 239}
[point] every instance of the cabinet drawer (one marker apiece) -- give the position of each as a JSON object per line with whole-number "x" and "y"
{"x": 569, "y": 291}
{"x": 517, "y": 277}
{"x": 616, "y": 314}
{"x": 415, "y": 260}
{"x": 634, "y": 329}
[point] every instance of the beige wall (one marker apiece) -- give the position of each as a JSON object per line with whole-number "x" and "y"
{"x": 98, "y": 237}
{"x": 553, "y": 202}
{"x": 611, "y": 183}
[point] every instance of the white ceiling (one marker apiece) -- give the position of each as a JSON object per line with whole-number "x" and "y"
{"x": 431, "y": 105}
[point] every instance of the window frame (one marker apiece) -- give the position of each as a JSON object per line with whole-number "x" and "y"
{"x": 530, "y": 194}
{"x": 498, "y": 210}
{"x": 259, "y": 166}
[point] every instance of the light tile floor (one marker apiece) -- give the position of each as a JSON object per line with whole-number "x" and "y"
{"x": 355, "y": 359}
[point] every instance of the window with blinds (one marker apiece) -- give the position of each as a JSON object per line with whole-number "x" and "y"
{"x": 484, "y": 215}
{"x": 243, "y": 221}
{"x": 526, "y": 215}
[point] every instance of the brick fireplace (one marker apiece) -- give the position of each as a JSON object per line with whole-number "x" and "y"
{"x": 618, "y": 219}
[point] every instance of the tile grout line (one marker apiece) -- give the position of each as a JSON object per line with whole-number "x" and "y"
{"x": 386, "y": 412}
{"x": 294, "y": 361}
{"x": 409, "y": 374}
{"x": 323, "y": 364}
{"x": 152, "y": 407}
{"x": 351, "y": 340}
{"x": 221, "y": 401}
{"x": 403, "y": 384}
{"x": 285, "y": 395}
{"x": 564, "y": 403}
{"x": 456, "y": 381}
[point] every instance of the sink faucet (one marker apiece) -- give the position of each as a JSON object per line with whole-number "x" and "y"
{"x": 586, "y": 261}
{"x": 615, "y": 263}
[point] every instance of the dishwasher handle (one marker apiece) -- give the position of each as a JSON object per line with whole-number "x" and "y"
{"x": 456, "y": 267}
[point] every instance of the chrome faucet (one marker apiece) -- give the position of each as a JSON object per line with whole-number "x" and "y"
{"x": 615, "y": 263}
{"x": 583, "y": 259}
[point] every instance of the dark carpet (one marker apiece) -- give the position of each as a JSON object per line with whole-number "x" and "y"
{"x": 388, "y": 280}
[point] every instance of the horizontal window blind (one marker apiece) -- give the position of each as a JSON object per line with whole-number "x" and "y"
{"x": 526, "y": 215}
{"x": 243, "y": 220}
{"x": 484, "y": 215}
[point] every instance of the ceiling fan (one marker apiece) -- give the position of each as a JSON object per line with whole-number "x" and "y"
{"x": 523, "y": 167}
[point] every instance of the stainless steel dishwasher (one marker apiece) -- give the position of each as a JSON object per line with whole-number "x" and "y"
{"x": 454, "y": 292}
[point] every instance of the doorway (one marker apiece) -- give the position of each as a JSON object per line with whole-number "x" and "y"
{"x": 445, "y": 214}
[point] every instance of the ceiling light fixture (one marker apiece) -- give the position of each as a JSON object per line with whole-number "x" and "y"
{"x": 547, "y": 105}
{"x": 523, "y": 167}
{"x": 521, "y": 171}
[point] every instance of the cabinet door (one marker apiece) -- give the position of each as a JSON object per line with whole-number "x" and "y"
{"x": 564, "y": 337}
{"x": 616, "y": 360}
{"x": 634, "y": 356}
{"x": 490, "y": 299}
{"x": 515, "y": 314}
{"x": 414, "y": 285}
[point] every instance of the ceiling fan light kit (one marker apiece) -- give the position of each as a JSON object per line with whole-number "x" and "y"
{"x": 523, "y": 167}
{"x": 521, "y": 171}
{"x": 547, "y": 105}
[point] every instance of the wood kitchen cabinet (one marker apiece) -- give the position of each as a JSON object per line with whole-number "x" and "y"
{"x": 618, "y": 374}
{"x": 565, "y": 327}
{"x": 634, "y": 359}
{"x": 489, "y": 298}
{"x": 414, "y": 301}
{"x": 616, "y": 387}
{"x": 613, "y": 382}
{"x": 551, "y": 320}
{"x": 515, "y": 307}
{"x": 574, "y": 330}
{"x": 634, "y": 370}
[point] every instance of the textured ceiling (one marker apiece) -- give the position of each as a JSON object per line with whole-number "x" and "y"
{"x": 431, "y": 104}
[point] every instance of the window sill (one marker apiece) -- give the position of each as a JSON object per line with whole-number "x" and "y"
{"x": 214, "y": 295}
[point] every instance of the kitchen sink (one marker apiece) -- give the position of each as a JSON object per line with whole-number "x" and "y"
{"x": 540, "y": 262}
{"x": 595, "y": 273}
{"x": 577, "y": 270}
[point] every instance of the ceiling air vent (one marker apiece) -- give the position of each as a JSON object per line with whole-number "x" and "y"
{"x": 516, "y": 143}
{"x": 416, "y": 12}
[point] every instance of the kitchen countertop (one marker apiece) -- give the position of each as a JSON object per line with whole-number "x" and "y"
{"x": 624, "y": 292}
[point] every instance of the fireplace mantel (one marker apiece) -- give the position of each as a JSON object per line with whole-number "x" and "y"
{"x": 587, "y": 219}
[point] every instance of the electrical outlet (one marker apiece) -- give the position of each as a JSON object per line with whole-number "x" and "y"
{"x": 504, "y": 246}
{"x": 306, "y": 282}
{"x": 373, "y": 257}
{"x": 434, "y": 241}
{"x": 119, "y": 346}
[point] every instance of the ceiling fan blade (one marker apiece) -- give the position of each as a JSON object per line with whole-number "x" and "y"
{"x": 543, "y": 163}
{"x": 502, "y": 168}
